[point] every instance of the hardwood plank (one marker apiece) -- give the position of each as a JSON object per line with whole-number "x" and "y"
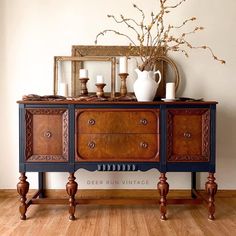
{"x": 117, "y": 220}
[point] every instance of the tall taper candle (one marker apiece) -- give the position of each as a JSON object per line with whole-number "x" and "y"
{"x": 123, "y": 65}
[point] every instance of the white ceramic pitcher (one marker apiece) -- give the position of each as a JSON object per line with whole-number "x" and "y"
{"x": 145, "y": 86}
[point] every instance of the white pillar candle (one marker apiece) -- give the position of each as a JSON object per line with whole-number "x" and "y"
{"x": 123, "y": 65}
{"x": 63, "y": 89}
{"x": 100, "y": 79}
{"x": 83, "y": 73}
{"x": 170, "y": 90}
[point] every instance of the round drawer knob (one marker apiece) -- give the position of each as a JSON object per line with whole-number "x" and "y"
{"x": 47, "y": 134}
{"x": 187, "y": 135}
{"x": 143, "y": 121}
{"x": 144, "y": 145}
{"x": 91, "y": 122}
{"x": 91, "y": 145}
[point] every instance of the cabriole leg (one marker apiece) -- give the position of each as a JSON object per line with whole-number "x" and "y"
{"x": 22, "y": 189}
{"x": 71, "y": 188}
{"x": 211, "y": 189}
{"x": 163, "y": 188}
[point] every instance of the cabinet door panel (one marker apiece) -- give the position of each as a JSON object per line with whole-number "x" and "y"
{"x": 188, "y": 135}
{"x": 46, "y": 135}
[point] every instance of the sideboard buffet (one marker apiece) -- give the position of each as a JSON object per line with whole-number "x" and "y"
{"x": 64, "y": 136}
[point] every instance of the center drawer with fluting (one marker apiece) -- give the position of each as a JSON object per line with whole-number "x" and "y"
{"x": 117, "y": 135}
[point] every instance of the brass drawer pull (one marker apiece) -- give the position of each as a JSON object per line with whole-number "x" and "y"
{"x": 91, "y": 145}
{"x": 143, "y": 121}
{"x": 187, "y": 135}
{"x": 47, "y": 134}
{"x": 144, "y": 145}
{"x": 91, "y": 122}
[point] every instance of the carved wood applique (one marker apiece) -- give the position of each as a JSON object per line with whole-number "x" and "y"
{"x": 188, "y": 135}
{"x": 46, "y": 135}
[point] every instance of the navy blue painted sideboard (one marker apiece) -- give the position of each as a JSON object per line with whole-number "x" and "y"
{"x": 64, "y": 136}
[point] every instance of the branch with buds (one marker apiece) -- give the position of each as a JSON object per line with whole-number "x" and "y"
{"x": 155, "y": 35}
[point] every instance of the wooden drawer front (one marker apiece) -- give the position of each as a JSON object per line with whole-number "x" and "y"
{"x": 188, "y": 135}
{"x": 117, "y": 147}
{"x": 117, "y": 121}
{"x": 46, "y": 135}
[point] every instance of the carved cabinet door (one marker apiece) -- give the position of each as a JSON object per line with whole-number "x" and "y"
{"x": 188, "y": 135}
{"x": 46, "y": 135}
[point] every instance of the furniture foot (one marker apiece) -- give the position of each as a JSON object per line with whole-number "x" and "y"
{"x": 22, "y": 189}
{"x": 211, "y": 189}
{"x": 71, "y": 188}
{"x": 163, "y": 188}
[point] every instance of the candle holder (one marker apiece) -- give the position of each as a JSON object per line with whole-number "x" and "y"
{"x": 123, "y": 88}
{"x": 83, "y": 86}
{"x": 100, "y": 92}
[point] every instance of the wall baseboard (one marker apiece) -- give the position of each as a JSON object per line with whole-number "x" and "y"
{"x": 117, "y": 193}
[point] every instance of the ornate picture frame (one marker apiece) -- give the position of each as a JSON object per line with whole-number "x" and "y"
{"x": 116, "y": 51}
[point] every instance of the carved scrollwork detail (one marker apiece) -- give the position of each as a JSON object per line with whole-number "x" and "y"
{"x": 28, "y": 134}
{"x": 65, "y": 135}
{"x": 187, "y": 158}
{"x": 46, "y": 111}
{"x": 54, "y": 158}
{"x": 83, "y": 50}
{"x": 206, "y": 133}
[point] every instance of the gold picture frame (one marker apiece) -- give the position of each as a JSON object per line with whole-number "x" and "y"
{"x": 79, "y": 64}
{"x": 117, "y": 51}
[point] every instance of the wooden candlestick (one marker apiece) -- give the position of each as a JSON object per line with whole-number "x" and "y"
{"x": 100, "y": 92}
{"x": 83, "y": 86}
{"x": 123, "y": 88}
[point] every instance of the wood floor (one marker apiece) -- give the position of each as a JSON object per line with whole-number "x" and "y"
{"x": 47, "y": 220}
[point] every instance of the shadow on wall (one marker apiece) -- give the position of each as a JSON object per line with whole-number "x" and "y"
{"x": 226, "y": 132}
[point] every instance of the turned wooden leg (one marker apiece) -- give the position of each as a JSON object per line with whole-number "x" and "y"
{"x": 22, "y": 189}
{"x": 163, "y": 188}
{"x": 211, "y": 189}
{"x": 71, "y": 188}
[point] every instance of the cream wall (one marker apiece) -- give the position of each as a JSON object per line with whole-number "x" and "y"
{"x": 33, "y": 31}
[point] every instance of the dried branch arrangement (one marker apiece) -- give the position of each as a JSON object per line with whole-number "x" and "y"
{"x": 155, "y": 35}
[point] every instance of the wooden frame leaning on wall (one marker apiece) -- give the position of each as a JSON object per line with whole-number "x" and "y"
{"x": 116, "y": 51}
{"x": 77, "y": 64}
